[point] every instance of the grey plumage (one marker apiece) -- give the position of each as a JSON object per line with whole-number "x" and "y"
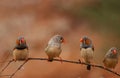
{"x": 20, "y": 51}
{"x": 53, "y": 48}
{"x": 111, "y": 58}
{"x": 86, "y": 49}
{"x": 84, "y": 45}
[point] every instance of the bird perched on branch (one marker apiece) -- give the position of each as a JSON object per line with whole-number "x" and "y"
{"x": 53, "y": 48}
{"x": 86, "y": 50}
{"x": 20, "y": 52}
{"x": 111, "y": 58}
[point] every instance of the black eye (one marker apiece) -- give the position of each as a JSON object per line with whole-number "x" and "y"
{"x": 61, "y": 38}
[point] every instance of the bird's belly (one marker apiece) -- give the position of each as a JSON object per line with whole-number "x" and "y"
{"x": 53, "y": 51}
{"x": 87, "y": 54}
{"x": 110, "y": 63}
{"x": 20, "y": 54}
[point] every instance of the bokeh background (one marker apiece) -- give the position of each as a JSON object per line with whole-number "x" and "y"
{"x": 39, "y": 20}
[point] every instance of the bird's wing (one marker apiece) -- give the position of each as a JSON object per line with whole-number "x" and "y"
{"x": 93, "y": 48}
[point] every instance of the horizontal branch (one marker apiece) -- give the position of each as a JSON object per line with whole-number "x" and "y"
{"x": 6, "y": 66}
{"x": 78, "y": 62}
{"x": 67, "y": 61}
{"x": 18, "y": 68}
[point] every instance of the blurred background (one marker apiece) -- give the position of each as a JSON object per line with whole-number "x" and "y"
{"x": 39, "y": 20}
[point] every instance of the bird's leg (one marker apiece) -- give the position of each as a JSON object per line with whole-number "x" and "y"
{"x": 60, "y": 59}
{"x": 26, "y": 59}
{"x": 114, "y": 69}
{"x": 48, "y": 58}
{"x": 14, "y": 59}
{"x": 81, "y": 60}
{"x": 93, "y": 63}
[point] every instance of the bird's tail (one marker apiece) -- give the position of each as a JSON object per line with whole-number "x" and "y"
{"x": 50, "y": 59}
{"x": 88, "y": 67}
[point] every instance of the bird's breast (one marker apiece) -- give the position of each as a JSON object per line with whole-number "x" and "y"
{"x": 53, "y": 51}
{"x": 20, "y": 54}
{"x": 110, "y": 62}
{"x": 87, "y": 53}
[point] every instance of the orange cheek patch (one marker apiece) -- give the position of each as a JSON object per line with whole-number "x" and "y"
{"x": 114, "y": 51}
{"x": 81, "y": 40}
{"x": 17, "y": 42}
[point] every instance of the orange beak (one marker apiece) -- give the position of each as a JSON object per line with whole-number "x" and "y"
{"x": 114, "y": 51}
{"x": 22, "y": 40}
{"x": 63, "y": 41}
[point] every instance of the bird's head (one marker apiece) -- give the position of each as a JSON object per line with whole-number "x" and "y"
{"x": 113, "y": 50}
{"x": 20, "y": 40}
{"x": 85, "y": 40}
{"x": 58, "y": 38}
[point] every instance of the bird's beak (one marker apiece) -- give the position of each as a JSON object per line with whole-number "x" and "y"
{"x": 114, "y": 51}
{"x": 81, "y": 40}
{"x": 21, "y": 41}
{"x": 63, "y": 41}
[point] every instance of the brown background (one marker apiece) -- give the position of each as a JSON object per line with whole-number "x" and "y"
{"x": 38, "y": 21}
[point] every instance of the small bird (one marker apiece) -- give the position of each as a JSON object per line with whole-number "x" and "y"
{"x": 86, "y": 50}
{"x": 53, "y": 48}
{"x": 111, "y": 58}
{"x": 20, "y": 52}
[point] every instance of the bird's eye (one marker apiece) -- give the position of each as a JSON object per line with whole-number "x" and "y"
{"x": 61, "y": 39}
